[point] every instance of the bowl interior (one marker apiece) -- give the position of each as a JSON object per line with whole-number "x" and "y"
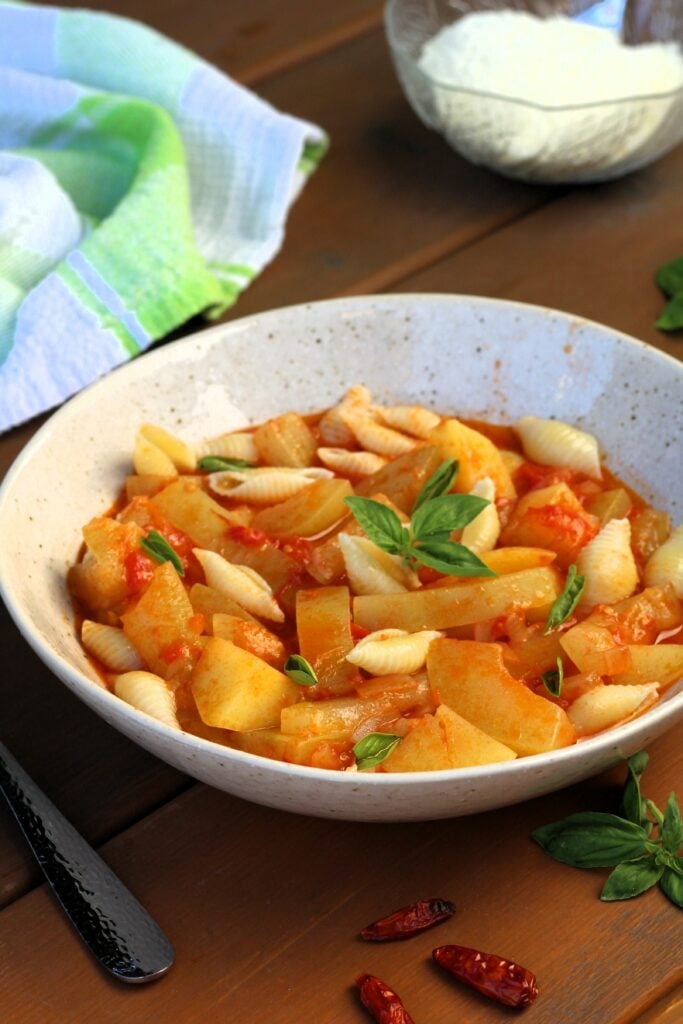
{"x": 474, "y": 357}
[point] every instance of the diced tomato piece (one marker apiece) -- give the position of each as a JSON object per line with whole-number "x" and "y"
{"x": 139, "y": 569}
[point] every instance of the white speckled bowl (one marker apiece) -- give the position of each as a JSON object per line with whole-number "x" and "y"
{"x": 478, "y": 357}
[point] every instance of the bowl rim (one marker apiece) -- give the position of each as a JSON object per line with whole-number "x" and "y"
{"x": 619, "y": 737}
{"x": 399, "y": 48}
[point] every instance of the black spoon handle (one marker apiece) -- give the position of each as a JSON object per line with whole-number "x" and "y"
{"x": 114, "y": 926}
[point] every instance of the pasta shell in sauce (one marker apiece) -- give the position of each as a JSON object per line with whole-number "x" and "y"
{"x": 376, "y": 438}
{"x": 608, "y": 564}
{"x": 481, "y": 535}
{"x": 373, "y": 571}
{"x": 111, "y": 646}
{"x": 554, "y": 443}
{"x": 150, "y": 460}
{"x": 180, "y": 454}
{"x": 148, "y": 693}
{"x": 241, "y": 583}
{"x": 333, "y": 427}
{"x": 665, "y": 565}
{"x": 229, "y": 446}
{"x": 389, "y": 651}
{"x": 266, "y": 486}
{"x": 341, "y": 460}
{"x": 411, "y": 419}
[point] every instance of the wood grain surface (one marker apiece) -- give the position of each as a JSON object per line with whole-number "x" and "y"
{"x": 264, "y": 907}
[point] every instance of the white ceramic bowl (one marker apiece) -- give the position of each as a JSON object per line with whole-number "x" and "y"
{"x": 479, "y": 357}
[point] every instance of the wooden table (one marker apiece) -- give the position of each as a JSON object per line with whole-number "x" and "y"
{"x": 263, "y": 907}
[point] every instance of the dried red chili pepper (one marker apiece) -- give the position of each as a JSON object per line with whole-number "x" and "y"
{"x": 410, "y": 920}
{"x": 382, "y": 1002}
{"x": 492, "y": 975}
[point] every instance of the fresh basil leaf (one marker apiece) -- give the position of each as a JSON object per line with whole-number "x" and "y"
{"x": 158, "y": 548}
{"x": 439, "y": 483}
{"x": 374, "y": 748}
{"x": 592, "y": 840}
{"x": 218, "y": 464}
{"x": 669, "y": 277}
{"x": 553, "y": 678}
{"x": 380, "y": 523}
{"x": 300, "y": 671}
{"x": 567, "y": 601}
{"x": 632, "y": 879}
{"x": 633, "y": 803}
{"x": 436, "y": 519}
{"x": 672, "y": 827}
{"x": 671, "y": 883}
{"x": 451, "y": 559}
{"x": 671, "y": 317}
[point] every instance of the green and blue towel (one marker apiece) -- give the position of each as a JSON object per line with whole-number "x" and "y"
{"x": 139, "y": 186}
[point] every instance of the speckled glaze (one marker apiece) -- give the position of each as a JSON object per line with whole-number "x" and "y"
{"x": 476, "y": 357}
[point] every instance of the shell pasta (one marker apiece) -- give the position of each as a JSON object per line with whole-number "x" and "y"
{"x": 382, "y": 588}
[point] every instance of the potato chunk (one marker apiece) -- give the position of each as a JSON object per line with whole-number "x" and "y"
{"x": 551, "y": 517}
{"x": 195, "y": 512}
{"x": 159, "y": 625}
{"x": 459, "y": 605}
{"x": 350, "y": 717}
{"x": 477, "y": 457}
{"x": 311, "y": 511}
{"x": 286, "y": 441}
{"x": 99, "y": 580}
{"x": 606, "y": 706}
{"x": 445, "y": 740}
{"x": 402, "y": 479}
{"x": 471, "y": 679}
{"x": 234, "y": 689}
{"x": 661, "y": 664}
{"x": 250, "y": 636}
{"x": 323, "y": 623}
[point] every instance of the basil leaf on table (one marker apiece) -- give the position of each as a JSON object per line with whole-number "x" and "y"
{"x": 671, "y": 883}
{"x": 374, "y": 748}
{"x": 565, "y": 604}
{"x": 672, "y": 826}
{"x": 592, "y": 840}
{"x": 669, "y": 277}
{"x": 300, "y": 671}
{"x": 630, "y": 879}
{"x": 158, "y": 548}
{"x": 671, "y": 317}
{"x": 439, "y": 483}
{"x": 633, "y": 803}
{"x": 380, "y": 523}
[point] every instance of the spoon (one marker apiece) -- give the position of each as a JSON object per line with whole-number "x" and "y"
{"x": 117, "y": 929}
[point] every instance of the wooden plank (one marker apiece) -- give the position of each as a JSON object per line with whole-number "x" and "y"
{"x": 668, "y": 1010}
{"x": 251, "y": 41}
{"x": 390, "y": 196}
{"x": 264, "y": 909}
{"x": 593, "y": 253}
{"x": 98, "y": 778}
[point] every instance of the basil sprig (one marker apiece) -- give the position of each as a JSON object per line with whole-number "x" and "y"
{"x": 374, "y": 748}
{"x": 439, "y": 483}
{"x": 598, "y": 840}
{"x": 427, "y": 539}
{"x": 553, "y": 679}
{"x": 300, "y": 671}
{"x": 565, "y": 604}
{"x": 669, "y": 277}
{"x": 158, "y": 548}
{"x": 218, "y": 464}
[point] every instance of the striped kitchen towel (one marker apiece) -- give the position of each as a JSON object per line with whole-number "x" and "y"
{"x": 139, "y": 186}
